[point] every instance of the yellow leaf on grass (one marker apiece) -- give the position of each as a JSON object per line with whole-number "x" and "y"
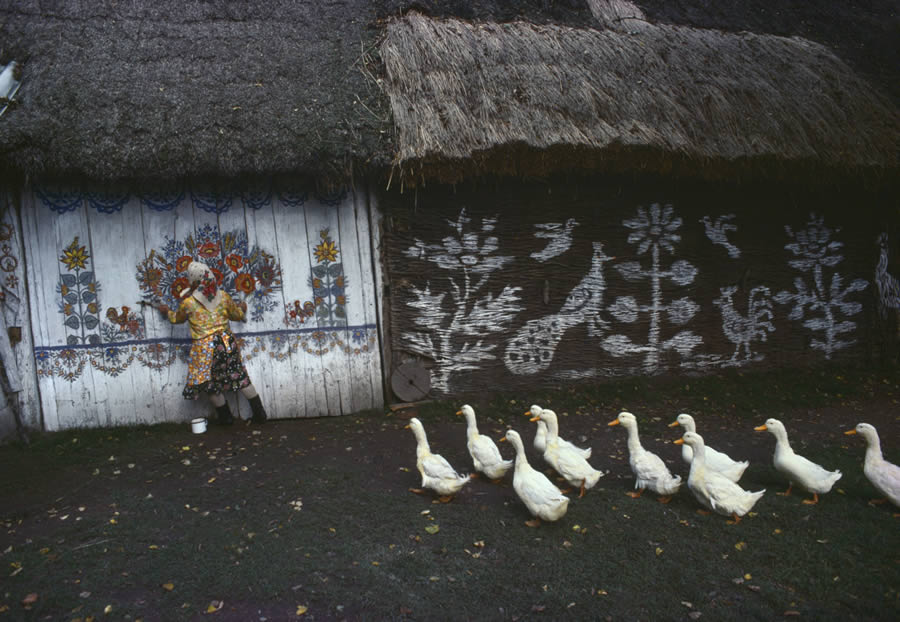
{"x": 215, "y": 606}
{"x": 432, "y": 529}
{"x": 301, "y": 609}
{"x": 659, "y": 551}
{"x": 168, "y": 586}
{"x": 107, "y": 609}
{"x": 153, "y": 547}
{"x": 740, "y": 546}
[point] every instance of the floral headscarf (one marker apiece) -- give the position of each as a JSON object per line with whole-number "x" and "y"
{"x": 207, "y": 291}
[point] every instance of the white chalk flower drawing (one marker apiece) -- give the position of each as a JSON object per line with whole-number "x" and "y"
{"x": 453, "y": 335}
{"x": 821, "y": 303}
{"x": 654, "y": 230}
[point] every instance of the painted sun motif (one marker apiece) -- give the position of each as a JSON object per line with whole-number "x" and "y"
{"x": 74, "y": 256}
{"x": 326, "y": 251}
{"x": 658, "y": 227}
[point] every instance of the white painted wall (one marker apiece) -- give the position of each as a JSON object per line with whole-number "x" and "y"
{"x": 104, "y": 375}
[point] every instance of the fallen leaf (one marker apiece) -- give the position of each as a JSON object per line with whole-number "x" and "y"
{"x": 740, "y": 546}
{"x": 432, "y": 529}
{"x": 107, "y": 609}
{"x": 168, "y": 586}
{"x": 301, "y": 609}
{"x": 748, "y": 576}
{"x": 659, "y": 551}
{"x": 538, "y": 608}
{"x": 694, "y": 615}
{"x": 30, "y": 599}
{"x": 215, "y": 606}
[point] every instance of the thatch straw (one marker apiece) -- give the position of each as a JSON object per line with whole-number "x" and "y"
{"x": 520, "y": 98}
{"x": 176, "y": 88}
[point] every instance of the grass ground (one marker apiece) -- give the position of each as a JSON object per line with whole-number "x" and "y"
{"x": 314, "y": 517}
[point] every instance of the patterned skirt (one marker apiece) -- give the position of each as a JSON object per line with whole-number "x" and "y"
{"x": 215, "y": 366}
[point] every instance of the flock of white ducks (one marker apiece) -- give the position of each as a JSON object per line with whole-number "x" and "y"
{"x": 712, "y": 478}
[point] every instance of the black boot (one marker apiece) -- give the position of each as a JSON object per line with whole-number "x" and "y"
{"x": 224, "y": 415}
{"x": 259, "y": 413}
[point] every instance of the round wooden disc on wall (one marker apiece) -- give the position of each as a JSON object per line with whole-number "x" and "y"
{"x": 411, "y": 382}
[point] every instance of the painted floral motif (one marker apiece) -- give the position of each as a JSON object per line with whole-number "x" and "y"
{"x": 78, "y": 291}
{"x": 654, "y": 230}
{"x": 468, "y": 256}
{"x": 815, "y": 252}
{"x": 328, "y": 283}
{"x": 247, "y": 273}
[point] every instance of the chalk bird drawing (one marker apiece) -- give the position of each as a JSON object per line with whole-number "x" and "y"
{"x": 744, "y": 330}
{"x": 715, "y": 231}
{"x": 532, "y": 348}
{"x": 888, "y": 288}
{"x": 560, "y": 236}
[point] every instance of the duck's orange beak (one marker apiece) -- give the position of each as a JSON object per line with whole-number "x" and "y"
{"x": 458, "y": 412}
{"x": 533, "y": 419}
{"x": 503, "y": 440}
{"x": 678, "y": 441}
{"x": 761, "y": 428}
{"x": 674, "y": 424}
{"x": 527, "y": 412}
{"x": 613, "y": 422}
{"x": 406, "y": 427}
{"x": 849, "y": 432}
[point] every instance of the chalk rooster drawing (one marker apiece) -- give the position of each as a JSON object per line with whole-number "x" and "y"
{"x": 743, "y": 330}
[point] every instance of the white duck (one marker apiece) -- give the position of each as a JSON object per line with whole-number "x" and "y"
{"x": 542, "y": 498}
{"x": 540, "y": 437}
{"x": 437, "y": 474}
{"x": 649, "y": 469}
{"x": 567, "y": 460}
{"x": 715, "y": 460}
{"x": 713, "y": 490}
{"x": 885, "y": 476}
{"x": 799, "y": 470}
{"x": 485, "y": 455}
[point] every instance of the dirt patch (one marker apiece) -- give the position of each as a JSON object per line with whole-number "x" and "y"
{"x": 315, "y": 516}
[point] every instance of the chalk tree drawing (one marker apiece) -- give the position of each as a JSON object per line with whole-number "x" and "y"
{"x": 888, "y": 288}
{"x": 744, "y": 330}
{"x": 560, "y": 236}
{"x": 654, "y": 229}
{"x": 533, "y": 346}
{"x": 815, "y": 252}
{"x": 467, "y": 257}
{"x": 716, "y": 232}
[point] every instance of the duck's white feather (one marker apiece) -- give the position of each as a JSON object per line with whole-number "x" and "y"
{"x": 649, "y": 469}
{"x": 542, "y": 498}
{"x": 568, "y": 462}
{"x": 713, "y": 490}
{"x": 715, "y": 460}
{"x": 799, "y": 470}
{"x": 484, "y": 452}
{"x": 884, "y": 475}
{"x": 437, "y": 474}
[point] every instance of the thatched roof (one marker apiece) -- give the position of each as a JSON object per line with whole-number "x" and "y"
{"x": 528, "y": 99}
{"x": 173, "y": 89}
{"x": 178, "y": 88}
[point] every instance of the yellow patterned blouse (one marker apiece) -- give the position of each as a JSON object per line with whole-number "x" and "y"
{"x": 205, "y": 323}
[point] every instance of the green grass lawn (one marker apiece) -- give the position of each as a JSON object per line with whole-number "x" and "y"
{"x": 315, "y": 516}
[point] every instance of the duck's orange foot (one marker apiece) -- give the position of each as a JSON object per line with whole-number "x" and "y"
{"x": 634, "y": 494}
{"x": 536, "y": 522}
{"x": 786, "y": 493}
{"x": 581, "y": 493}
{"x": 418, "y": 491}
{"x": 566, "y": 491}
{"x": 704, "y": 512}
{"x": 665, "y": 499}
{"x": 473, "y": 476}
{"x": 877, "y": 501}
{"x": 445, "y": 498}
{"x": 497, "y": 481}
{"x": 735, "y": 519}
{"x": 812, "y": 501}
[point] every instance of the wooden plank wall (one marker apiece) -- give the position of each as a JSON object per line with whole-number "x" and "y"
{"x": 517, "y": 285}
{"x": 104, "y": 360}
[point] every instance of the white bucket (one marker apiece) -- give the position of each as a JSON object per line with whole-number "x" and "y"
{"x": 198, "y": 425}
